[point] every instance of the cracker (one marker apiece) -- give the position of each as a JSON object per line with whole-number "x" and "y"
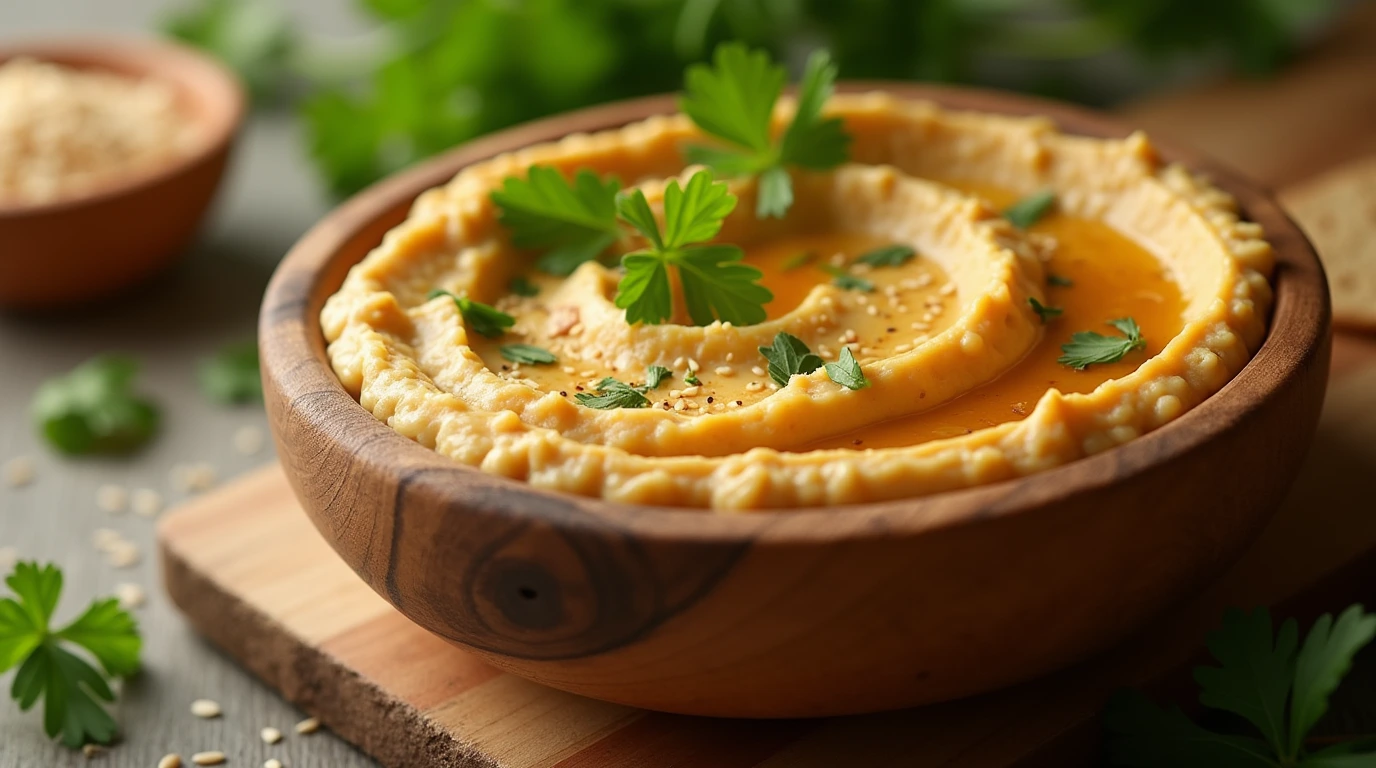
{"x": 1337, "y": 210}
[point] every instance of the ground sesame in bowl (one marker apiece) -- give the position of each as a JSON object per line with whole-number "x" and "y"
{"x": 66, "y": 132}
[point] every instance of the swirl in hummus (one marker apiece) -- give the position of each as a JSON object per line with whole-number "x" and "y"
{"x": 963, "y": 389}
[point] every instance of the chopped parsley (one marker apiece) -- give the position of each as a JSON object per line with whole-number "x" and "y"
{"x": 521, "y": 286}
{"x": 846, "y": 281}
{"x": 612, "y": 394}
{"x": 231, "y": 376}
{"x": 655, "y": 375}
{"x": 799, "y": 260}
{"x": 95, "y": 409}
{"x": 527, "y": 354}
{"x": 70, "y": 686}
{"x": 846, "y": 371}
{"x": 888, "y": 256}
{"x": 788, "y": 356}
{"x": 1029, "y": 210}
{"x": 1047, "y": 314}
{"x": 1059, "y": 281}
{"x": 733, "y": 100}
{"x": 573, "y": 222}
{"x": 715, "y": 284}
{"x": 1087, "y": 348}
{"x": 692, "y": 379}
{"x": 483, "y": 319}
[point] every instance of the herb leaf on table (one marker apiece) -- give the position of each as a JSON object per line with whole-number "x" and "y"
{"x": 71, "y": 687}
{"x": 94, "y": 409}
{"x": 231, "y": 376}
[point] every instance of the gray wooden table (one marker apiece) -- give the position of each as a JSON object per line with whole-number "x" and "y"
{"x": 270, "y": 198}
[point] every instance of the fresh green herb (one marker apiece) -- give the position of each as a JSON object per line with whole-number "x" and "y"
{"x": 799, "y": 260}
{"x": 69, "y": 685}
{"x": 655, "y": 375}
{"x": 787, "y": 356}
{"x": 94, "y": 409}
{"x": 692, "y": 379}
{"x": 1059, "y": 281}
{"x": 733, "y": 100}
{"x": 716, "y": 285}
{"x": 846, "y": 281}
{"x": 1030, "y": 209}
{"x": 1257, "y": 676}
{"x": 231, "y": 376}
{"x": 613, "y": 394}
{"x": 574, "y": 223}
{"x": 1047, "y": 314}
{"x": 521, "y": 286}
{"x": 1087, "y": 348}
{"x": 527, "y": 354}
{"x": 845, "y": 371}
{"x": 483, "y": 319}
{"x": 888, "y": 256}
{"x": 252, "y": 37}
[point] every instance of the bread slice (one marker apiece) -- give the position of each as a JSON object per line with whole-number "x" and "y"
{"x": 1337, "y": 210}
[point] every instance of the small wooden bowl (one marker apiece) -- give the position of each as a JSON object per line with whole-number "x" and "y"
{"x": 805, "y": 613}
{"x": 93, "y": 245}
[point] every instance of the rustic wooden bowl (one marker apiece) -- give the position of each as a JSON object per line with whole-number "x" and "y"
{"x": 93, "y": 245}
{"x": 805, "y": 613}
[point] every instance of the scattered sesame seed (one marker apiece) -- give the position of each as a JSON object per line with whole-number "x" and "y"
{"x": 570, "y": 370}
{"x": 848, "y": 337}
{"x": 948, "y": 289}
{"x": 308, "y": 726}
{"x": 678, "y": 362}
{"x": 725, "y": 370}
{"x": 730, "y": 356}
{"x": 902, "y": 348}
{"x": 754, "y": 386}
{"x": 270, "y": 735}
{"x": 106, "y": 539}
{"x": 872, "y": 310}
{"x": 837, "y": 259}
{"x": 146, "y": 502}
{"x": 205, "y": 708}
{"x": 193, "y": 478}
{"x": 692, "y": 406}
{"x": 693, "y": 365}
{"x": 901, "y": 308}
{"x": 928, "y": 317}
{"x": 757, "y": 370}
{"x": 861, "y": 299}
{"x": 208, "y": 758}
{"x": 8, "y": 557}
{"x": 248, "y": 440}
{"x": 675, "y": 394}
{"x": 681, "y": 406}
{"x": 924, "y": 280}
{"x": 19, "y": 472}
{"x": 587, "y": 374}
{"x": 691, "y": 391}
{"x": 170, "y": 761}
{"x": 272, "y": 762}
{"x": 130, "y": 596}
{"x": 921, "y": 326}
{"x": 92, "y": 750}
{"x": 125, "y": 554}
{"x": 112, "y": 498}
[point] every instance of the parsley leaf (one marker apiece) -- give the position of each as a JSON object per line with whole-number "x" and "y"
{"x": 655, "y": 375}
{"x": 1059, "y": 281}
{"x": 1323, "y": 660}
{"x": 787, "y": 356}
{"x": 483, "y": 319}
{"x": 613, "y": 394}
{"x": 846, "y": 371}
{"x": 845, "y": 280}
{"x": 692, "y": 379}
{"x": 1254, "y": 676}
{"x": 799, "y": 260}
{"x": 528, "y": 354}
{"x": 231, "y": 376}
{"x": 93, "y": 409}
{"x": 574, "y": 222}
{"x": 1087, "y": 347}
{"x": 68, "y": 684}
{"x": 716, "y": 285}
{"x": 1047, "y": 314}
{"x": 1143, "y": 736}
{"x": 1029, "y": 210}
{"x": 733, "y": 100}
{"x": 888, "y": 256}
{"x": 521, "y": 286}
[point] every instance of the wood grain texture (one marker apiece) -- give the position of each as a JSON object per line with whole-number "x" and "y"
{"x": 255, "y": 579}
{"x": 809, "y": 612}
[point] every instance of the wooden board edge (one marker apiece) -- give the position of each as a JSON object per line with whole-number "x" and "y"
{"x": 352, "y": 706}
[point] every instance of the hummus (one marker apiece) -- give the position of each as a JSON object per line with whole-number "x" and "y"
{"x": 964, "y": 387}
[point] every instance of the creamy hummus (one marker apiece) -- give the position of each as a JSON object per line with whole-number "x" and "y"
{"x": 964, "y": 384}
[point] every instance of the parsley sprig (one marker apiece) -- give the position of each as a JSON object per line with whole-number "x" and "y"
{"x": 715, "y": 284}
{"x": 790, "y": 356}
{"x": 573, "y": 223}
{"x": 612, "y": 394}
{"x": 231, "y": 376}
{"x": 733, "y": 100}
{"x": 95, "y": 409}
{"x": 1087, "y": 348}
{"x": 1030, "y": 210}
{"x": 69, "y": 685}
{"x": 1046, "y": 313}
{"x": 1278, "y": 686}
{"x": 483, "y": 319}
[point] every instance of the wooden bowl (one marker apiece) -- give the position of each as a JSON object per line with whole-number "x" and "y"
{"x": 92, "y": 245}
{"x": 804, "y": 613}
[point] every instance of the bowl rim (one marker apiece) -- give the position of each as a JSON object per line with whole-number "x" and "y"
{"x": 295, "y": 367}
{"x": 155, "y": 57}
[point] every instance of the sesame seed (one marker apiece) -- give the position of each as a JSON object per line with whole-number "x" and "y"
{"x": 675, "y": 394}
{"x": 872, "y": 310}
{"x": 862, "y": 299}
{"x": 901, "y": 308}
{"x": 19, "y": 472}
{"x": 681, "y": 406}
{"x": 308, "y": 726}
{"x": 8, "y": 557}
{"x": 691, "y": 391}
{"x": 678, "y": 362}
{"x": 248, "y": 440}
{"x": 924, "y": 280}
{"x": 208, "y": 758}
{"x": 757, "y": 370}
{"x": 730, "y": 356}
{"x": 902, "y": 348}
{"x": 270, "y": 735}
{"x": 272, "y": 762}
{"x": 948, "y": 289}
{"x": 106, "y": 539}
{"x": 693, "y": 365}
{"x": 123, "y": 555}
{"x": 193, "y": 478}
{"x": 754, "y": 386}
{"x": 112, "y": 498}
{"x": 170, "y": 761}
{"x": 692, "y": 406}
{"x": 725, "y": 370}
{"x": 735, "y": 403}
{"x": 92, "y": 750}
{"x": 146, "y": 502}
{"x": 587, "y": 374}
{"x": 928, "y": 317}
{"x": 205, "y": 708}
{"x": 130, "y": 596}
{"x": 570, "y": 370}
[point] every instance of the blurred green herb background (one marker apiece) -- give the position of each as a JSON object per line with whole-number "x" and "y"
{"x": 433, "y": 73}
